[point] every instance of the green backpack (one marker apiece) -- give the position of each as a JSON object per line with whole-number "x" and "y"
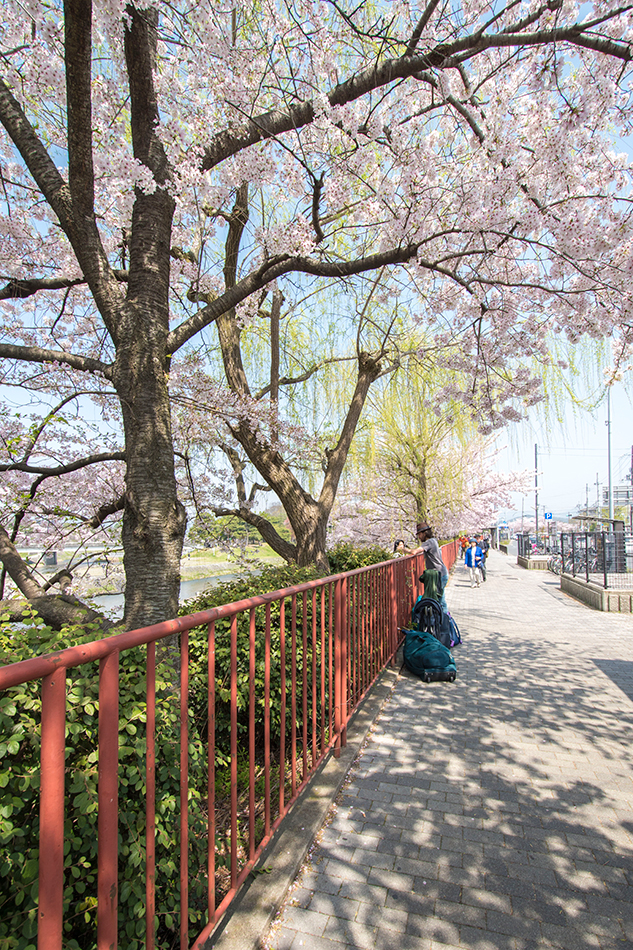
{"x": 425, "y": 656}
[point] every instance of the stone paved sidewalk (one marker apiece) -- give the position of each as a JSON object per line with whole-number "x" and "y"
{"x": 495, "y": 812}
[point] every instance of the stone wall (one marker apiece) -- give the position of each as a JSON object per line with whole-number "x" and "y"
{"x": 614, "y": 601}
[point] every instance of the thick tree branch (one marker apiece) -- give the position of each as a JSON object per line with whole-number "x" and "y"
{"x": 18, "y": 288}
{"x": 228, "y": 329}
{"x": 150, "y": 239}
{"x": 317, "y": 188}
{"x": 104, "y": 511}
{"x": 268, "y": 532}
{"x": 369, "y": 369}
{"x": 275, "y": 319}
{"x": 89, "y": 252}
{"x": 574, "y": 35}
{"x": 278, "y": 121}
{"x": 36, "y": 354}
{"x": 78, "y": 58}
{"x": 17, "y": 568}
{"x": 63, "y": 469}
{"x": 63, "y": 578}
{"x": 36, "y": 158}
{"x": 277, "y": 267}
{"x": 238, "y": 471}
{"x": 422, "y": 22}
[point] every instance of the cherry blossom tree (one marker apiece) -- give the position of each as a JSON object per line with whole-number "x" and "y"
{"x": 164, "y": 165}
{"x": 48, "y": 489}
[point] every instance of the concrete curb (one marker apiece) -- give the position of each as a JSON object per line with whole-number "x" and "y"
{"x": 249, "y": 917}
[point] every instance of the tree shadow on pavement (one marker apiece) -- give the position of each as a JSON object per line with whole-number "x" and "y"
{"x": 493, "y": 812}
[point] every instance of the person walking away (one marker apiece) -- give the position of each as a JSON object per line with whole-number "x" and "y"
{"x": 472, "y": 560}
{"x": 484, "y": 544}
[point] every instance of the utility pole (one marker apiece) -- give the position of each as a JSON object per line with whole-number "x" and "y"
{"x": 587, "y": 500}
{"x": 609, "y": 453}
{"x": 536, "y": 488}
{"x": 598, "y": 505}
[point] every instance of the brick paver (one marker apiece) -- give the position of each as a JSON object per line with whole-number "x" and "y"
{"x": 495, "y": 812}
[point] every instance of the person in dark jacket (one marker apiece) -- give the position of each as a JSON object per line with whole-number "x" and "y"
{"x": 484, "y": 544}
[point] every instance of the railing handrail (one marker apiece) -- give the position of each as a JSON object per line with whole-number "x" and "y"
{"x": 330, "y": 654}
{"x": 23, "y": 671}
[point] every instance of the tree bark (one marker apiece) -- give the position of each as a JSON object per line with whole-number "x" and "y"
{"x": 154, "y": 520}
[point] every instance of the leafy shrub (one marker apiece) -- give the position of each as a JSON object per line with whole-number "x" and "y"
{"x": 346, "y": 556}
{"x": 20, "y": 713}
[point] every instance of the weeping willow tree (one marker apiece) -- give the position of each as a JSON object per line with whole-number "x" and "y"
{"x": 423, "y": 453}
{"x": 412, "y": 459}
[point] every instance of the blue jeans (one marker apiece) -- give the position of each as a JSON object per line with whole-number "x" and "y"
{"x": 443, "y": 582}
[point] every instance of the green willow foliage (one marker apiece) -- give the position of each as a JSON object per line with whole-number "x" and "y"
{"x": 20, "y": 712}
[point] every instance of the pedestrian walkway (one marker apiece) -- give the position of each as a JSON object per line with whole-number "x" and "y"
{"x": 495, "y": 812}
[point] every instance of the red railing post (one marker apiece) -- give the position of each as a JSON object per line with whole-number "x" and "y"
{"x": 314, "y": 680}
{"x": 267, "y": 724}
{"x": 393, "y": 613}
{"x": 282, "y": 710}
{"x": 304, "y": 687}
{"x": 52, "y": 761}
{"x": 150, "y": 801}
{"x": 233, "y": 751}
{"x": 108, "y": 820}
{"x": 251, "y": 736}
{"x": 293, "y": 695}
{"x": 211, "y": 775}
{"x": 184, "y": 790}
{"x": 344, "y": 664}
{"x": 337, "y": 666}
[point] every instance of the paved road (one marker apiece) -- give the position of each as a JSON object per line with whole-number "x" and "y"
{"x": 496, "y": 812}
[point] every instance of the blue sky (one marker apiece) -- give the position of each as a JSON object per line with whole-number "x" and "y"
{"x": 571, "y": 453}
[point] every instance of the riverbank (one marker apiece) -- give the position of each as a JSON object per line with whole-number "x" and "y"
{"x": 112, "y": 604}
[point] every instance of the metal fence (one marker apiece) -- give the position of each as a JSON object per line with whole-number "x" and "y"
{"x": 239, "y": 705}
{"x": 604, "y": 558}
{"x": 529, "y": 545}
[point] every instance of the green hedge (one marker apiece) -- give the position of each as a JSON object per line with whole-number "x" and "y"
{"x": 20, "y": 712}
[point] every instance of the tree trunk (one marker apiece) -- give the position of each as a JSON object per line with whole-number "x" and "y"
{"x": 154, "y": 520}
{"x": 309, "y": 522}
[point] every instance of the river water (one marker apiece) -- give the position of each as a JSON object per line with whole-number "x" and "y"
{"x": 112, "y": 604}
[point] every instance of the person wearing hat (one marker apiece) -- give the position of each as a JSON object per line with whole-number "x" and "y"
{"x": 429, "y": 547}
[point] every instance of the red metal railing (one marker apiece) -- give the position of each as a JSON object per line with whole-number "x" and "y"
{"x": 297, "y": 663}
